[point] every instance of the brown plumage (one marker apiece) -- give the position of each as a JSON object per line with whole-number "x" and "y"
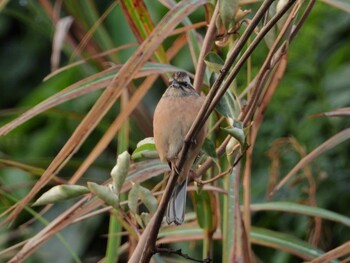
{"x": 173, "y": 117}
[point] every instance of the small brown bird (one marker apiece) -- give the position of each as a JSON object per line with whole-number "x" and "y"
{"x": 173, "y": 117}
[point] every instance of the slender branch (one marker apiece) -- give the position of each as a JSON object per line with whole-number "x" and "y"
{"x": 179, "y": 252}
{"x": 264, "y": 72}
{"x": 223, "y": 173}
{"x": 208, "y": 40}
{"x": 213, "y": 179}
{"x": 205, "y": 166}
{"x": 271, "y": 58}
{"x": 144, "y": 250}
{"x": 208, "y": 106}
{"x": 247, "y": 53}
{"x": 302, "y": 20}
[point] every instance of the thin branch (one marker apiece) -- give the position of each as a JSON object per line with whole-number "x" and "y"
{"x": 143, "y": 251}
{"x": 209, "y": 104}
{"x": 265, "y": 70}
{"x": 179, "y": 252}
{"x": 200, "y": 182}
{"x": 302, "y": 20}
{"x": 247, "y": 53}
{"x": 208, "y": 107}
{"x": 208, "y": 40}
{"x": 146, "y": 244}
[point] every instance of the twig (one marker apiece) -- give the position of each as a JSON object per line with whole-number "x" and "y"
{"x": 208, "y": 40}
{"x": 209, "y": 104}
{"x": 264, "y": 72}
{"x": 143, "y": 251}
{"x": 146, "y": 245}
{"x": 179, "y": 252}
{"x": 200, "y": 182}
{"x": 247, "y": 53}
{"x": 231, "y": 32}
{"x": 208, "y": 107}
{"x": 302, "y": 20}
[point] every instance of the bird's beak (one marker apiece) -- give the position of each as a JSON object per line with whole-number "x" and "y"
{"x": 175, "y": 84}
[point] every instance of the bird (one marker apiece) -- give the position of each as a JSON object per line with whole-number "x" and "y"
{"x": 174, "y": 115}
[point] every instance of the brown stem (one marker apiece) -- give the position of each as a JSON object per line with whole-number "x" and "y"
{"x": 146, "y": 246}
{"x": 208, "y": 40}
{"x": 209, "y": 104}
{"x": 145, "y": 249}
{"x": 302, "y": 20}
{"x": 234, "y": 72}
{"x": 247, "y": 53}
{"x": 213, "y": 179}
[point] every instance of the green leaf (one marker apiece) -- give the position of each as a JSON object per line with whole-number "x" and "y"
{"x": 228, "y": 217}
{"x": 148, "y": 199}
{"x": 146, "y": 141}
{"x": 203, "y": 209}
{"x": 232, "y": 147}
{"x": 228, "y": 10}
{"x": 120, "y": 171}
{"x": 214, "y": 62}
{"x": 284, "y": 242}
{"x": 237, "y": 132}
{"x": 138, "y": 219}
{"x": 60, "y": 193}
{"x": 209, "y": 148}
{"x": 133, "y": 198}
{"x": 139, "y": 192}
{"x": 145, "y": 149}
{"x": 141, "y": 24}
{"x": 145, "y": 217}
{"x": 104, "y": 193}
{"x": 302, "y": 209}
{"x": 229, "y": 106}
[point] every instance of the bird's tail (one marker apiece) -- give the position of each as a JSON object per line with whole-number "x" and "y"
{"x": 177, "y": 203}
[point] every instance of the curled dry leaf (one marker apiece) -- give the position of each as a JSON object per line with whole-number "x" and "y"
{"x": 104, "y": 193}
{"x": 120, "y": 171}
{"x": 61, "y": 30}
{"x": 60, "y": 193}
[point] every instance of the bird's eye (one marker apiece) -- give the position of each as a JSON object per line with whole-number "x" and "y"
{"x": 184, "y": 83}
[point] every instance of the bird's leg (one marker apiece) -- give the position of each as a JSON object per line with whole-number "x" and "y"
{"x": 172, "y": 164}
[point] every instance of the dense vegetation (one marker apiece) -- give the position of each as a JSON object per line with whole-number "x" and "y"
{"x": 77, "y": 132}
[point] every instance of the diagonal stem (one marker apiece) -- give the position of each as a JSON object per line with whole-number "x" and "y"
{"x": 208, "y": 40}
{"x": 212, "y": 98}
{"x": 149, "y": 236}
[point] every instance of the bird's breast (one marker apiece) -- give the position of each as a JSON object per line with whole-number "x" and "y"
{"x": 173, "y": 118}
